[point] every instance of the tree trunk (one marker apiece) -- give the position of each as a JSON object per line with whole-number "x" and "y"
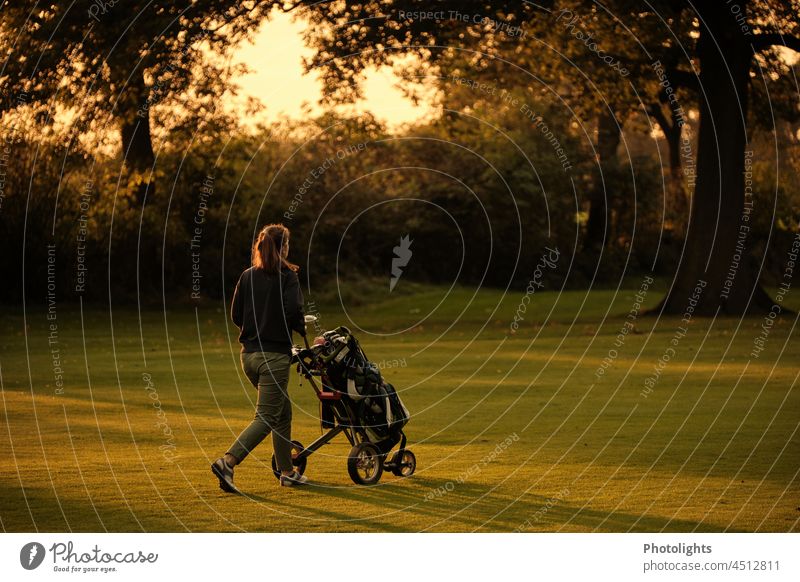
{"x": 677, "y": 203}
{"x": 673, "y": 135}
{"x": 675, "y": 195}
{"x": 715, "y": 257}
{"x": 598, "y": 225}
{"x": 137, "y": 144}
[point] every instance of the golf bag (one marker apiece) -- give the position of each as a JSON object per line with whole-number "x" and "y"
{"x": 377, "y": 406}
{"x": 357, "y": 402}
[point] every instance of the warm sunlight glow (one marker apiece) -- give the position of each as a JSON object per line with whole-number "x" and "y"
{"x": 278, "y": 81}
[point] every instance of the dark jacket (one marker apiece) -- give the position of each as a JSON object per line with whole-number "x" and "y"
{"x": 266, "y": 308}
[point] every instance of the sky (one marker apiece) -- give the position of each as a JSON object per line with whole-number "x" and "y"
{"x": 277, "y": 79}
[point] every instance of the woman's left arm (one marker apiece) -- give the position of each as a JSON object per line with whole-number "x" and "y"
{"x": 237, "y": 315}
{"x": 293, "y": 303}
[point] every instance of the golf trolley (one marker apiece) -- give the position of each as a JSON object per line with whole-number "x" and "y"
{"x": 355, "y": 401}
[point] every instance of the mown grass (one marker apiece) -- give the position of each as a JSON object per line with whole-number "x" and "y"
{"x": 714, "y": 447}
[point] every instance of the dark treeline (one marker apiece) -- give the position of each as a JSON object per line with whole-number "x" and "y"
{"x": 479, "y": 206}
{"x": 480, "y": 203}
{"x": 127, "y": 177}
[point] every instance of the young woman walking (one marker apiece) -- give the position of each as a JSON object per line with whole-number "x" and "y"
{"x": 267, "y": 306}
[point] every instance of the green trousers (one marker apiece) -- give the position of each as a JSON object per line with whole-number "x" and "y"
{"x": 269, "y": 372}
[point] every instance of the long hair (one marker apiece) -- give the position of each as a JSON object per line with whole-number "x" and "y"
{"x": 268, "y": 250}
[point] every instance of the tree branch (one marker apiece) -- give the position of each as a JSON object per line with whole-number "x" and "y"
{"x": 227, "y": 21}
{"x": 655, "y": 111}
{"x": 762, "y": 42}
{"x": 287, "y": 9}
{"x": 683, "y": 78}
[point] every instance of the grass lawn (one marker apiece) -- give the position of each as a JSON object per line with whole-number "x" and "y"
{"x": 713, "y": 446}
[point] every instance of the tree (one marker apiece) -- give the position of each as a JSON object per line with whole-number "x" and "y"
{"x": 705, "y": 53}
{"x": 721, "y": 42}
{"x": 119, "y": 59}
{"x": 728, "y": 42}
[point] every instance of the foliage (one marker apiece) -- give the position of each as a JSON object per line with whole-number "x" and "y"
{"x": 481, "y": 189}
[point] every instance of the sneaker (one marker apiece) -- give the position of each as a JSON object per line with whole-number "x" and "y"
{"x": 224, "y": 473}
{"x": 293, "y": 479}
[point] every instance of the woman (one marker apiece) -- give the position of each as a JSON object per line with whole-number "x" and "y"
{"x": 267, "y": 305}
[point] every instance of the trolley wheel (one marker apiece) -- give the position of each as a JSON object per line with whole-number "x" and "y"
{"x": 404, "y": 463}
{"x": 298, "y": 463}
{"x": 365, "y": 464}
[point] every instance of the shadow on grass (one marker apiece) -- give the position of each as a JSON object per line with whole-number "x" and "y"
{"x": 39, "y": 509}
{"x": 366, "y": 523}
{"x": 402, "y": 507}
{"x": 473, "y": 507}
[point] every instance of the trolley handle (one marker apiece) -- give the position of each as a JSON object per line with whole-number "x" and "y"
{"x": 308, "y": 319}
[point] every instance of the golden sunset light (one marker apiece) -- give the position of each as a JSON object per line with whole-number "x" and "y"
{"x": 279, "y": 82}
{"x": 489, "y": 266}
